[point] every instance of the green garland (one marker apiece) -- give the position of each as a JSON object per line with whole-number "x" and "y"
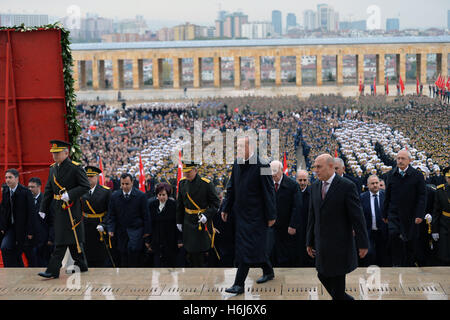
{"x": 73, "y": 125}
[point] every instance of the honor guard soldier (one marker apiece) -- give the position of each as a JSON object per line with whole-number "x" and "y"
{"x": 441, "y": 219}
{"x": 197, "y": 203}
{"x": 94, "y": 205}
{"x": 67, "y": 182}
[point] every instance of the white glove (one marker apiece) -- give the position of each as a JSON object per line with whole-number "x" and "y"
{"x": 180, "y": 227}
{"x": 100, "y": 228}
{"x": 65, "y": 197}
{"x": 202, "y": 219}
{"x": 435, "y": 236}
{"x": 42, "y": 214}
{"x": 428, "y": 217}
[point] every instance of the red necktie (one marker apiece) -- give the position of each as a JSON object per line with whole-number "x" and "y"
{"x": 276, "y": 187}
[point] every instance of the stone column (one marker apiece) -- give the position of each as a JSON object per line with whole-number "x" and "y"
{"x": 257, "y": 71}
{"x": 277, "y": 70}
{"x": 319, "y": 70}
{"x": 115, "y": 69}
{"x": 197, "y": 72}
{"x": 82, "y": 74}
{"x": 95, "y": 80}
{"x": 217, "y": 72}
{"x": 401, "y": 66}
{"x": 237, "y": 72}
{"x": 359, "y": 68}
{"x": 421, "y": 70}
{"x": 137, "y": 74}
{"x": 442, "y": 64}
{"x": 76, "y": 73}
{"x": 157, "y": 72}
{"x": 380, "y": 69}
{"x": 339, "y": 69}
{"x": 298, "y": 70}
{"x": 101, "y": 74}
{"x": 177, "y": 73}
{"x": 121, "y": 77}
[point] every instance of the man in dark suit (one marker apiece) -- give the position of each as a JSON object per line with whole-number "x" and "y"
{"x": 339, "y": 168}
{"x": 43, "y": 230}
{"x": 288, "y": 198}
{"x": 16, "y": 223}
{"x": 251, "y": 199}
{"x": 302, "y": 178}
{"x": 128, "y": 219}
{"x": 372, "y": 202}
{"x": 335, "y": 211}
{"x": 67, "y": 182}
{"x": 404, "y": 209}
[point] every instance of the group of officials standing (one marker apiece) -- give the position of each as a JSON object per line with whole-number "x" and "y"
{"x": 274, "y": 219}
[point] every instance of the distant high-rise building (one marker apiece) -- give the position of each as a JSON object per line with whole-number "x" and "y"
{"x": 231, "y": 25}
{"x": 276, "y": 21}
{"x": 392, "y": 24}
{"x": 327, "y": 18}
{"x": 29, "y": 20}
{"x": 309, "y": 20}
{"x": 291, "y": 21}
{"x": 257, "y": 30}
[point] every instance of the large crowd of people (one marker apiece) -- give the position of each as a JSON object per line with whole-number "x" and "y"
{"x": 367, "y": 133}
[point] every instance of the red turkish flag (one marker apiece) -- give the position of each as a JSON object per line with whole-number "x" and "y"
{"x": 375, "y": 86}
{"x": 285, "y": 168}
{"x": 402, "y": 85}
{"x": 387, "y": 86}
{"x": 141, "y": 175}
{"x": 101, "y": 177}
{"x": 180, "y": 171}
{"x": 417, "y": 86}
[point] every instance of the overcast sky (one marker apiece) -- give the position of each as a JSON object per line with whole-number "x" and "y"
{"x": 412, "y": 13}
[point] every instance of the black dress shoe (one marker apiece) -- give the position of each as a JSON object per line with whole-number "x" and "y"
{"x": 48, "y": 275}
{"x": 235, "y": 289}
{"x": 265, "y": 278}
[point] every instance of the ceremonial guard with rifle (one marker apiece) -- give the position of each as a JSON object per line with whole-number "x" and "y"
{"x": 67, "y": 182}
{"x": 197, "y": 203}
{"x": 94, "y": 205}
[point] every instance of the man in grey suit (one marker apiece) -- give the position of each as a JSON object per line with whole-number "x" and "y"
{"x": 334, "y": 213}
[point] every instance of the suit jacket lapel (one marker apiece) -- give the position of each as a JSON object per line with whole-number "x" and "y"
{"x": 331, "y": 189}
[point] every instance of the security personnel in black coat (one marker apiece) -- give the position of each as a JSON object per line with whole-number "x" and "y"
{"x": 44, "y": 235}
{"x": 441, "y": 220}
{"x": 251, "y": 199}
{"x": 128, "y": 219}
{"x": 67, "y": 182}
{"x": 302, "y": 179}
{"x": 16, "y": 223}
{"x": 404, "y": 209}
{"x": 197, "y": 203}
{"x": 288, "y": 198}
{"x": 94, "y": 205}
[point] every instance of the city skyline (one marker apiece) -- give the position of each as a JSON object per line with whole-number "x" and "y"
{"x": 172, "y": 12}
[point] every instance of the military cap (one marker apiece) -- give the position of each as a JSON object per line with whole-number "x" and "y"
{"x": 189, "y": 165}
{"x": 92, "y": 171}
{"x": 58, "y": 145}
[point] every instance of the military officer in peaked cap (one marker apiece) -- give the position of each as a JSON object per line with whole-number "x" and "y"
{"x": 94, "y": 206}
{"x": 197, "y": 203}
{"x": 67, "y": 182}
{"x": 441, "y": 219}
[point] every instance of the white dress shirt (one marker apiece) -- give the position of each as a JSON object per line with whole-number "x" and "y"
{"x": 372, "y": 209}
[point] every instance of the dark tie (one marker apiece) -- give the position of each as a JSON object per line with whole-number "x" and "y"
{"x": 276, "y": 187}
{"x": 377, "y": 209}
{"x": 12, "y": 205}
{"x": 90, "y": 193}
{"x": 324, "y": 189}
{"x": 127, "y": 196}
